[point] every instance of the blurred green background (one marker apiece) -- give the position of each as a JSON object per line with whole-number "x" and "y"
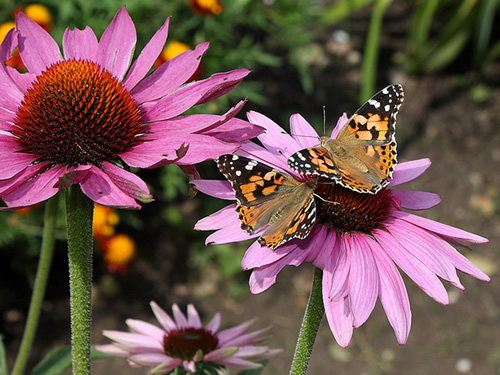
{"x": 304, "y": 55}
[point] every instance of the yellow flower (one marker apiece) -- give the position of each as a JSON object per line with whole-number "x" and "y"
{"x": 174, "y": 48}
{"x": 39, "y": 14}
{"x": 5, "y": 27}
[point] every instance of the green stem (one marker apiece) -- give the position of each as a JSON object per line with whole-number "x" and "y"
{"x": 310, "y": 325}
{"x": 79, "y": 211}
{"x": 42, "y": 275}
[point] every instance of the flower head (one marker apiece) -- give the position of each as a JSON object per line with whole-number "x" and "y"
{"x": 118, "y": 251}
{"x": 357, "y": 240}
{"x": 184, "y": 342}
{"x": 83, "y": 116}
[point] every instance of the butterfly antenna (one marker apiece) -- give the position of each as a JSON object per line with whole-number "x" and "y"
{"x": 325, "y": 200}
{"x": 324, "y": 120}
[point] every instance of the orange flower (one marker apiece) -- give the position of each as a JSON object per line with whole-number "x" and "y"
{"x": 105, "y": 220}
{"x": 118, "y": 252}
{"x": 210, "y": 7}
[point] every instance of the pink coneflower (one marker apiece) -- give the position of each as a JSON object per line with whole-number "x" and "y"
{"x": 357, "y": 240}
{"x": 185, "y": 342}
{"x": 86, "y": 115}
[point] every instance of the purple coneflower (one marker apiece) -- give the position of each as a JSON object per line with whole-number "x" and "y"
{"x": 86, "y": 115}
{"x": 357, "y": 241}
{"x": 184, "y": 341}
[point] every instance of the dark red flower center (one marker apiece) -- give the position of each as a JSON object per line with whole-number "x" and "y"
{"x": 77, "y": 113}
{"x": 347, "y": 211}
{"x": 185, "y": 343}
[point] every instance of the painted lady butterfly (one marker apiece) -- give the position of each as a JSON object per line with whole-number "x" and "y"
{"x": 269, "y": 197}
{"x": 363, "y": 156}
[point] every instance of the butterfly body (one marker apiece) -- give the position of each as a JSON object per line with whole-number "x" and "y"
{"x": 269, "y": 198}
{"x": 363, "y": 156}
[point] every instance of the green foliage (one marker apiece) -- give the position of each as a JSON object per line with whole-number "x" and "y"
{"x": 431, "y": 49}
{"x": 59, "y": 360}
{"x": 3, "y": 359}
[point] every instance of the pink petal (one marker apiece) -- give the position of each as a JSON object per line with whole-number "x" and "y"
{"x": 201, "y": 147}
{"x": 8, "y": 185}
{"x": 163, "y": 318}
{"x": 155, "y": 359}
{"x": 134, "y": 342}
{"x": 275, "y": 159}
{"x": 193, "y": 317}
{"x": 416, "y": 200}
{"x": 239, "y": 363}
{"x": 440, "y": 228}
{"x": 215, "y": 188}
{"x": 257, "y": 256}
{"x": 117, "y": 44}
{"x": 12, "y": 94}
{"x": 201, "y": 124}
{"x": 408, "y": 171}
{"x": 274, "y": 139}
{"x": 338, "y": 315}
{"x": 230, "y": 233}
{"x": 417, "y": 241}
{"x": 170, "y": 75}
{"x": 180, "y": 319}
{"x": 219, "y": 354}
{"x": 38, "y": 189}
{"x": 214, "y": 325}
{"x": 263, "y": 278}
{"x": 167, "y": 367}
{"x": 146, "y": 329}
{"x": 192, "y": 94}
{"x": 128, "y": 182}
{"x": 323, "y": 247}
{"x": 37, "y": 48}
{"x": 340, "y": 124}
{"x": 13, "y": 161}
{"x": 112, "y": 350}
{"x": 229, "y": 334}
{"x": 80, "y": 44}
{"x": 303, "y": 132}
{"x": 148, "y": 56}
{"x": 414, "y": 268}
{"x": 363, "y": 278}
{"x": 340, "y": 266}
{"x": 99, "y": 187}
{"x": 393, "y": 296}
{"x": 218, "y": 219}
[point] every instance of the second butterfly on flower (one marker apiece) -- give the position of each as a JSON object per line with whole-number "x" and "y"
{"x": 335, "y": 206}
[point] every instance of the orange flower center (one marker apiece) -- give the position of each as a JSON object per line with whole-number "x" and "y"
{"x": 185, "y": 343}
{"x": 347, "y": 211}
{"x": 77, "y": 113}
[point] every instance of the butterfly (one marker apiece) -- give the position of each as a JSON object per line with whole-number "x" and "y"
{"x": 270, "y": 198}
{"x": 363, "y": 156}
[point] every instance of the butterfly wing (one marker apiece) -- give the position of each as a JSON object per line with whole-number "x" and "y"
{"x": 268, "y": 197}
{"x": 315, "y": 161}
{"x": 367, "y": 142}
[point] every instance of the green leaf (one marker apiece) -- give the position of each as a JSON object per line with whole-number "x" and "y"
{"x": 255, "y": 371}
{"x": 3, "y": 359}
{"x": 59, "y": 360}
{"x": 343, "y": 9}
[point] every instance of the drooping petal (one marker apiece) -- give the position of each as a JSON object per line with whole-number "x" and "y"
{"x": 38, "y": 189}
{"x": 128, "y": 182}
{"x": 231, "y": 232}
{"x": 413, "y": 267}
{"x": 37, "y": 48}
{"x": 393, "y": 296}
{"x": 154, "y": 359}
{"x": 338, "y": 315}
{"x": 439, "y": 228}
{"x": 117, "y": 44}
{"x": 258, "y": 256}
{"x": 99, "y": 187}
{"x": 80, "y": 44}
{"x": 363, "y": 278}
